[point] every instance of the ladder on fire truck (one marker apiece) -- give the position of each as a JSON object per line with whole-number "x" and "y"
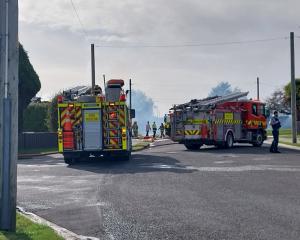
{"x": 75, "y": 92}
{"x": 209, "y": 103}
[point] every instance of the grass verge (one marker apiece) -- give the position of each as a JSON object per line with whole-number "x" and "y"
{"x": 37, "y": 151}
{"x": 290, "y": 143}
{"x": 27, "y": 230}
{"x": 140, "y": 146}
{"x": 287, "y": 132}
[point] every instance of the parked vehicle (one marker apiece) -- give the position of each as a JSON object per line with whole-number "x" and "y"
{"x": 220, "y": 121}
{"x": 95, "y": 124}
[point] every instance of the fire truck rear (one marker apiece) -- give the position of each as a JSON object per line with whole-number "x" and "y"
{"x": 220, "y": 121}
{"x": 94, "y": 124}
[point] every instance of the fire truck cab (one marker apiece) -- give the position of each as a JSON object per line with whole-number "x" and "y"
{"x": 220, "y": 121}
{"x": 94, "y": 124}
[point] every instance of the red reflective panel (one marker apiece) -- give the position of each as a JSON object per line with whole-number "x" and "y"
{"x": 112, "y": 115}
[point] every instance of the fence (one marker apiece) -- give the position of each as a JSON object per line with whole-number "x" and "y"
{"x": 30, "y": 140}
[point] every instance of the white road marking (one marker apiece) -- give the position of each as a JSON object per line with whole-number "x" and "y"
{"x": 281, "y": 168}
{"x": 222, "y": 162}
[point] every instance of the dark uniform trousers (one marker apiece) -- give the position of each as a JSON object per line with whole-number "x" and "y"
{"x": 274, "y": 146}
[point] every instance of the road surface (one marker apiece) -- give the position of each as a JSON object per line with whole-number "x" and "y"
{"x": 168, "y": 192}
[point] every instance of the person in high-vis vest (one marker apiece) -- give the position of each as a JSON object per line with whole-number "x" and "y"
{"x": 275, "y": 124}
{"x": 154, "y": 128}
{"x": 148, "y": 128}
{"x": 162, "y": 130}
{"x": 135, "y": 129}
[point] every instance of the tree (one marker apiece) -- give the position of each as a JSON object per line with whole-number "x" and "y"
{"x": 35, "y": 117}
{"x": 287, "y": 93}
{"x": 222, "y": 89}
{"x": 52, "y": 114}
{"x": 278, "y": 101}
{"x": 29, "y": 83}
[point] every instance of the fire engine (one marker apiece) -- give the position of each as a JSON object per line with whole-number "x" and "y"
{"x": 220, "y": 121}
{"x": 94, "y": 124}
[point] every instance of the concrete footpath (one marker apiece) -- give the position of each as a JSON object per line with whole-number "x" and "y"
{"x": 283, "y": 145}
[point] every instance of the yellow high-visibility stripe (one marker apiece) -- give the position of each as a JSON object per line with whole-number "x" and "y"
{"x": 124, "y": 139}
{"x": 196, "y": 121}
{"x": 60, "y": 141}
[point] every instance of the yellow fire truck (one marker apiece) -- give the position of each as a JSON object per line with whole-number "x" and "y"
{"x": 95, "y": 124}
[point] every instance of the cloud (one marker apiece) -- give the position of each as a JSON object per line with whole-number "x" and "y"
{"x": 60, "y": 52}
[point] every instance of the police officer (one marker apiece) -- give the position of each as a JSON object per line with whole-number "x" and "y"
{"x": 275, "y": 123}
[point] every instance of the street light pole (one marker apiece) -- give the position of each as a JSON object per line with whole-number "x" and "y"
{"x": 9, "y": 54}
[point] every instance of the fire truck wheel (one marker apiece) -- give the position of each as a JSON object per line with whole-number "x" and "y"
{"x": 229, "y": 140}
{"x": 193, "y": 146}
{"x": 259, "y": 140}
{"x": 70, "y": 160}
{"x": 126, "y": 157}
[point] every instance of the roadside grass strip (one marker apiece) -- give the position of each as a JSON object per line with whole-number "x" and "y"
{"x": 140, "y": 146}
{"x": 27, "y": 230}
{"x": 37, "y": 150}
{"x": 290, "y": 143}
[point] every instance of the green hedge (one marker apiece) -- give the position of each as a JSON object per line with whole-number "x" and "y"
{"x": 35, "y": 117}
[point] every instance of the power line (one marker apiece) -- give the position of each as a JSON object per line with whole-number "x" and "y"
{"x": 193, "y": 44}
{"x": 79, "y": 20}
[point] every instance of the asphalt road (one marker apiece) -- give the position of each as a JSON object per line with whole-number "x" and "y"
{"x": 168, "y": 192}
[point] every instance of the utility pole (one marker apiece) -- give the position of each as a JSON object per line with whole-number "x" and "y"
{"x": 93, "y": 67}
{"x": 293, "y": 90}
{"x": 104, "y": 80}
{"x": 130, "y": 97}
{"x": 9, "y": 54}
{"x": 257, "y": 83}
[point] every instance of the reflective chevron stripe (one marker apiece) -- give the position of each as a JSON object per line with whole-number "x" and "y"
{"x": 192, "y": 132}
{"x": 179, "y": 132}
{"x": 122, "y": 117}
{"x": 227, "y": 121}
{"x": 78, "y": 116}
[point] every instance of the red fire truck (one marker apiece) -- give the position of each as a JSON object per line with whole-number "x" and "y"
{"x": 220, "y": 121}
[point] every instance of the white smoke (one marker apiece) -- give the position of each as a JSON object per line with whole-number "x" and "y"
{"x": 144, "y": 110}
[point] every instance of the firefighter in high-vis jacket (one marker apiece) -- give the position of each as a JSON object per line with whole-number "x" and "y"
{"x": 135, "y": 129}
{"x": 162, "y": 130}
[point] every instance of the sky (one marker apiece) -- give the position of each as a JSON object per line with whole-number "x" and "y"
{"x": 173, "y": 50}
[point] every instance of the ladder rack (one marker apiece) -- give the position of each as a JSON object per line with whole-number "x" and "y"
{"x": 210, "y": 102}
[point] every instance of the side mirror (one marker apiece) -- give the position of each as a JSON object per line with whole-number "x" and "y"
{"x": 132, "y": 113}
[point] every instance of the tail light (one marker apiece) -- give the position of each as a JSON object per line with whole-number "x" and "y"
{"x": 123, "y": 98}
{"x": 60, "y": 99}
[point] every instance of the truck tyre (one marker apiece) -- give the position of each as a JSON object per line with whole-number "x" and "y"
{"x": 126, "y": 157}
{"x": 70, "y": 161}
{"x": 229, "y": 140}
{"x": 193, "y": 146}
{"x": 259, "y": 139}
